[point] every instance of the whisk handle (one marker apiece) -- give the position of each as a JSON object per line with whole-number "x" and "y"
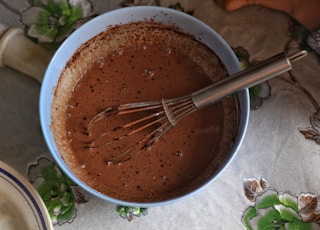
{"x": 267, "y": 69}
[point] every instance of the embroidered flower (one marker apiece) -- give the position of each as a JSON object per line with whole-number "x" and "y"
{"x": 260, "y": 92}
{"x": 313, "y": 133}
{"x": 314, "y": 41}
{"x": 127, "y": 3}
{"x": 129, "y": 212}
{"x": 253, "y": 188}
{"x": 49, "y": 21}
{"x": 309, "y": 207}
{"x": 274, "y": 211}
{"x": 58, "y": 192}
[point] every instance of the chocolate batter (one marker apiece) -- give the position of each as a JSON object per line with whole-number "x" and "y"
{"x": 183, "y": 159}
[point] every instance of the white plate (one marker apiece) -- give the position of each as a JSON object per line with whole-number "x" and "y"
{"x": 21, "y": 207}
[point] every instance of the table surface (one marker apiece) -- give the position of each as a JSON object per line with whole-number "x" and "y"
{"x": 275, "y": 158}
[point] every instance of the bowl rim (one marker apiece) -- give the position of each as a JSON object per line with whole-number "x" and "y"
{"x": 202, "y": 32}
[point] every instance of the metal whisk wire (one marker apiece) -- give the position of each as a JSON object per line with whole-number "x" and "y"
{"x": 166, "y": 113}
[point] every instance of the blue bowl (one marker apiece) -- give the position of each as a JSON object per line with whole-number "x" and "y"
{"x": 186, "y": 23}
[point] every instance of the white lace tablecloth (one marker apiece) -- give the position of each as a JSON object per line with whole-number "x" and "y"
{"x": 273, "y": 150}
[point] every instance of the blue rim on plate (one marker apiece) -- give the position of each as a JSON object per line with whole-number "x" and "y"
{"x": 16, "y": 189}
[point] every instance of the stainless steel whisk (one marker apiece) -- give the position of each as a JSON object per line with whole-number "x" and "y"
{"x": 164, "y": 114}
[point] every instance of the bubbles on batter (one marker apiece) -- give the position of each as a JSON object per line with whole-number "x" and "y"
{"x": 168, "y": 51}
{"x": 100, "y": 62}
{"x": 70, "y": 106}
{"x": 148, "y": 73}
{"x": 69, "y": 139}
{"x": 179, "y": 153}
{"x": 82, "y": 165}
{"x": 124, "y": 87}
{"x": 119, "y": 52}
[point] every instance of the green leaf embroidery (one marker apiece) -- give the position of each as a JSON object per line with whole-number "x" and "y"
{"x": 250, "y": 213}
{"x": 270, "y": 220}
{"x": 300, "y": 225}
{"x": 50, "y": 172}
{"x": 268, "y": 201}
{"x": 129, "y": 212}
{"x": 57, "y": 194}
{"x": 289, "y": 201}
{"x": 254, "y": 91}
{"x": 287, "y": 214}
{"x": 50, "y": 22}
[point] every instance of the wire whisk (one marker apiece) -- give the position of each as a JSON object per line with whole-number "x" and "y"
{"x": 151, "y": 120}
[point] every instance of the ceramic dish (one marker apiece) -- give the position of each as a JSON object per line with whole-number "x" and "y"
{"x": 21, "y": 206}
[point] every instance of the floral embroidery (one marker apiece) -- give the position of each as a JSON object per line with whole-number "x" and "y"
{"x": 140, "y": 2}
{"x": 129, "y": 212}
{"x": 51, "y": 21}
{"x": 260, "y": 92}
{"x": 309, "y": 207}
{"x": 313, "y": 133}
{"x": 299, "y": 34}
{"x": 253, "y": 188}
{"x": 275, "y": 210}
{"x": 179, "y": 7}
{"x": 314, "y": 41}
{"x": 58, "y": 192}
